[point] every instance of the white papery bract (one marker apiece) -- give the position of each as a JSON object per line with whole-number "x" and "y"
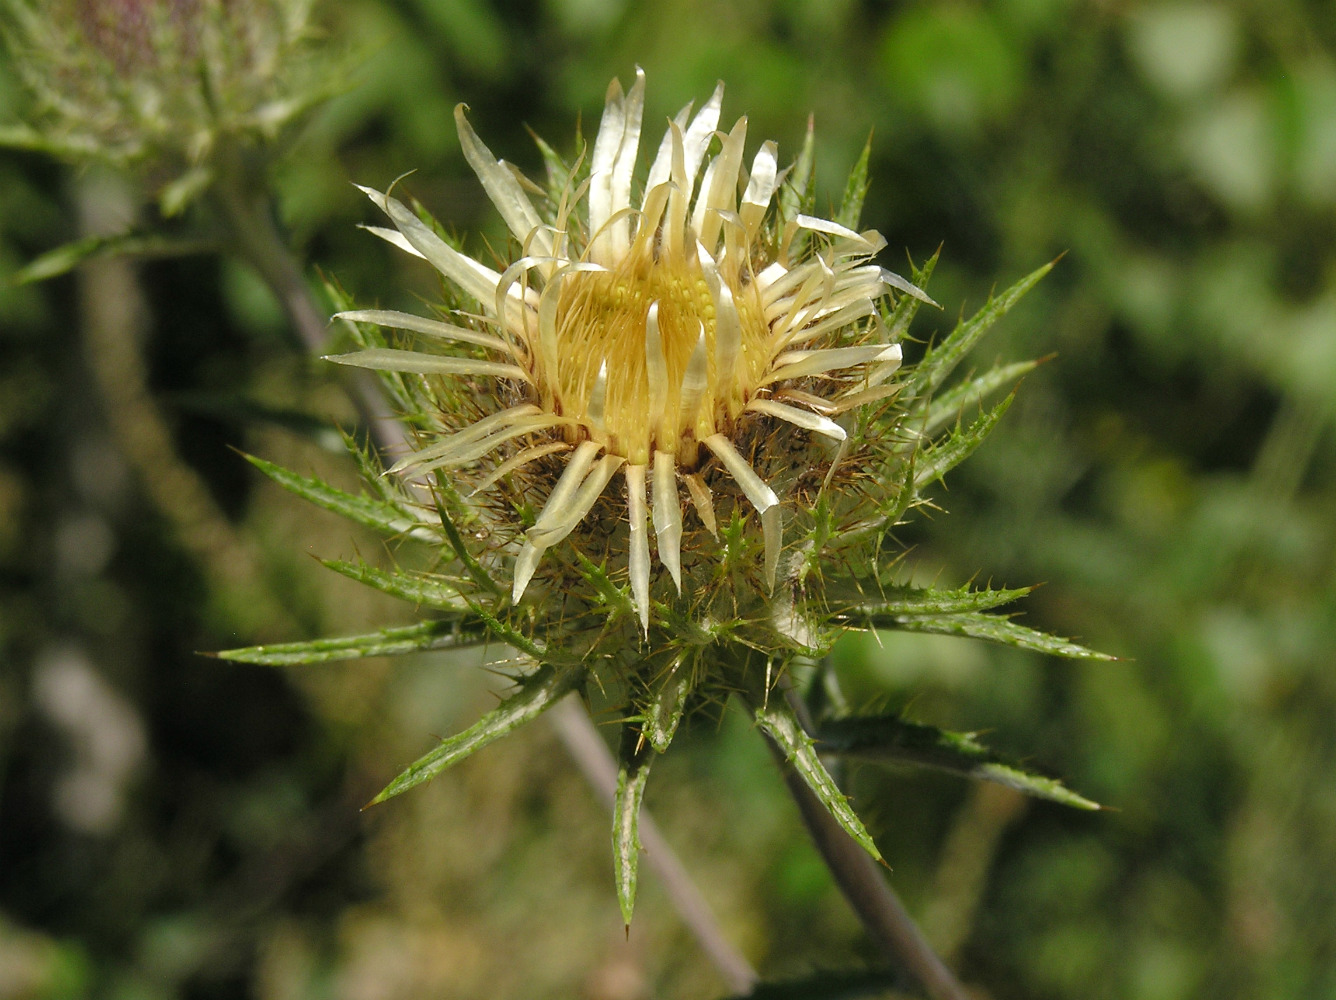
{"x": 639, "y": 336}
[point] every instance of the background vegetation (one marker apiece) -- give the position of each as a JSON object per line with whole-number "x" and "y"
{"x": 176, "y": 826}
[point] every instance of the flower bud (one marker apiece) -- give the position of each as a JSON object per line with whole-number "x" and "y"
{"x": 166, "y": 87}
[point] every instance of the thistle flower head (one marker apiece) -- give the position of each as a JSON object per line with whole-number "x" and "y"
{"x": 690, "y": 351}
{"x": 679, "y": 332}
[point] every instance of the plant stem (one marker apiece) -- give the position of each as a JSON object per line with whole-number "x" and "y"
{"x": 864, "y": 885}
{"x": 595, "y": 760}
{"x": 249, "y": 218}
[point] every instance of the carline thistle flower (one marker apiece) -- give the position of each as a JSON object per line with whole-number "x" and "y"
{"x": 695, "y": 356}
{"x": 662, "y": 337}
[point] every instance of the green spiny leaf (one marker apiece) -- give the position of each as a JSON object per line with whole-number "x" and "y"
{"x": 337, "y": 295}
{"x": 942, "y": 358}
{"x": 386, "y": 642}
{"x": 892, "y": 602}
{"x": 632, "y": 773}
{"x": 73, "y": 148}
{"x": 446, "y": 497}
{"x": 940, "y": 458}
{"x": 420, "y": 589}
{"x": 66, "y": 258}
{"x": 818, "y": 534}
{"x": 514, "y": 637}
{"x": 667, "y": 703}
{"x": 889, "y": 511}
{"x": 617, "y": 599}
{"x": 996, "y": 628}
{"x": 376, "y": 514}
{"x": 372, "y": 471}
{"x": 793, "y": 193}
{"x": 905, "y": 496}
{"x": 968, "y": 395}
{"x": 891, "y": 739}
{"x": 538, "y": 692}
{"x": 907, "y": 306}
{"x": 688, "y": 631}
{"x": 558, "y": 171}
{"x": 782, "y": 726}
{"x": 855, "y": 190}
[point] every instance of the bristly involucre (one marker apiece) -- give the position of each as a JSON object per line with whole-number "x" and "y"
{"x": 677, "y": 333}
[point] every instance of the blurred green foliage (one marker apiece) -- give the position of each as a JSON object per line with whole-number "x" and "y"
{"x": 1170, "y": 476}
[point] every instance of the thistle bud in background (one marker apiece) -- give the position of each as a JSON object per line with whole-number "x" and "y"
{"x": 164, "y": 87}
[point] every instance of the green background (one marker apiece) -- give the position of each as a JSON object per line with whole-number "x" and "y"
{"x": 176, "y": 826}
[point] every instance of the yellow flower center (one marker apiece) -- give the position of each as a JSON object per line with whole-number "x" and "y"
{"x": 672, "y": 374}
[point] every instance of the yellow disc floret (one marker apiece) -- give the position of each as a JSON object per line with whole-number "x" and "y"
{"x": 645, "y": 360}
{"x": 634, "y": 341}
